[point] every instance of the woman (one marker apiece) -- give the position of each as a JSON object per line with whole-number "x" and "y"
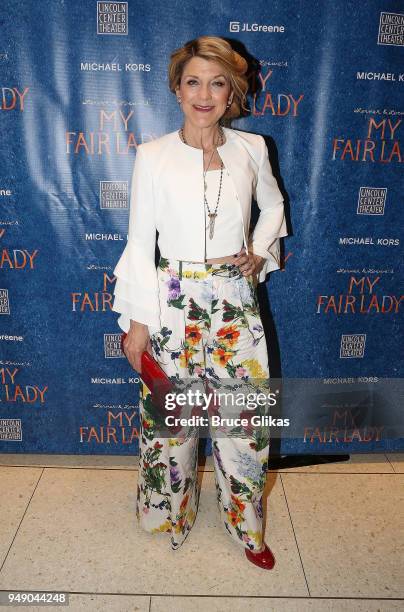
{"x": 197, "y": 313}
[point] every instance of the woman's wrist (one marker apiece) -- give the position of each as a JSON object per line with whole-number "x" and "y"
{"x": 259, "y": 262}
{"x": 137, "y": 324}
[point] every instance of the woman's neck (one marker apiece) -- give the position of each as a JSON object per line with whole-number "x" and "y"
{"x": 202, "y": 138}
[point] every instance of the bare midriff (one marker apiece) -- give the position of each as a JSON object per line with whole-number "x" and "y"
{"x": 214, "y": 260}
{"x": 227, "y": 259}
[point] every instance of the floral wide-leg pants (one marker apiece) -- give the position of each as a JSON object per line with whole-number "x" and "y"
{"x": 211, "y": 330}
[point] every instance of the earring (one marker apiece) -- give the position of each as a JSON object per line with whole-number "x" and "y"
{"x": 228, "y": 103}
{"x": 179, "y": 100}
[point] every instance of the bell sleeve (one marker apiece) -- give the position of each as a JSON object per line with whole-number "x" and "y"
{"x": 136, "y": 286}
{"x": 271, "y": 224}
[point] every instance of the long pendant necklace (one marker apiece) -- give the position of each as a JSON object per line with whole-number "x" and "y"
{"x": 212, "y": 215}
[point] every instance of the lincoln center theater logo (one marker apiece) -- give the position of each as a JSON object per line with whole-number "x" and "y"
{"x": 363, "y": 296}
{"x": 112, "y": 346}
{"x": 391, "y": 29}
{"x": 371, "y": 200}
{"x": 114, "y": 194}
{"x": 352, "y": 345}
{"x": 112, "y": 18}
{"x": 10, "y": 430}
{"x": 381, "y": 143}
{"x": 4, "y": 303}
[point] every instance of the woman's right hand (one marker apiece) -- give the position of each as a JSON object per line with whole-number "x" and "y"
{"x": 137, "y": 341}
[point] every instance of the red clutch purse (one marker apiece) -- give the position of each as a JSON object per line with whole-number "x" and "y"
{"x": 152, "y": 374}
{"x": 157, "y": 381}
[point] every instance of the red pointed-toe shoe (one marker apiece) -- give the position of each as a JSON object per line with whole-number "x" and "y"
{"x": 264, "y": 559}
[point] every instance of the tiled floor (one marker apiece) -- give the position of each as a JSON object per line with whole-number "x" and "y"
{"x": 68, "y": 524}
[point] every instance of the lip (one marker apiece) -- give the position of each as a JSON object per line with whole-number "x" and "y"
{"x": 203, "y": 109}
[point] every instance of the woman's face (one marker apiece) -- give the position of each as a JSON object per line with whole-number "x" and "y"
{"x": 204, "y": 91}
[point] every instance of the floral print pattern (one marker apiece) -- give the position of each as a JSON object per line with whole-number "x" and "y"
{"x": 210, "y": 331}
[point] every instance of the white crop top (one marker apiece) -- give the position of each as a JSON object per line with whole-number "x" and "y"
{"x": 228, "y": 233}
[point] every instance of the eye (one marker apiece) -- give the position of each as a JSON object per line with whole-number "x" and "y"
{"x": 191, "y": 81}
{"x": 219, "y": 83}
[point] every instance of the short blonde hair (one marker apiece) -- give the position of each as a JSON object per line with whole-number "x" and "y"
{"x": 219, "y": 50}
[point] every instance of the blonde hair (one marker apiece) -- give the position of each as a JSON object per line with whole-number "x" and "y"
{"x": 219, "y": 50}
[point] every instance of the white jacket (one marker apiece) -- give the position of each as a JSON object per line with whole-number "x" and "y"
{"x": 167, "y": 196}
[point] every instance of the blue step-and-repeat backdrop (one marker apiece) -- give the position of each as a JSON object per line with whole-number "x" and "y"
{"x": 82, "y": 83}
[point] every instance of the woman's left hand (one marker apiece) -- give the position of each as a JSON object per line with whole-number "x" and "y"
{"x": 248, "y": 264}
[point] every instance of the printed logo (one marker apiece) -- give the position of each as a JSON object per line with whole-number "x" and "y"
{"x": 112, "y": 67}
{"x": 10, "y": 430}
{"x": 368, "y": 240}
{"x": 114, "y": 194}
{"x": 391, "y": 29}
{"x": 378, "y": 76}
{"x": 13, "y": 392}
{"x": 112, "y": 18}
{"x": 237, "y": 26}
{"x": 114, "y": 135}
{"x": 112, "y": 346}
{"x": 371, "y": 200}
{"x": 95, "y": 301}
{"x": 11, "y": 98}
{"x": 17, "y": 259}
{"x": 363, "y": 295}
{"x": 11, "y": 338}
{"x": 4, "y": 303}
{"x": 379, "y": 143}
{"x": 266, "y": 100}
{"x": 352, "y": 345}
{"x": 100, "y": 236}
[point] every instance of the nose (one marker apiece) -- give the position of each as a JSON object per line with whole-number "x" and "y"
{"x": 205, "y": 93}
